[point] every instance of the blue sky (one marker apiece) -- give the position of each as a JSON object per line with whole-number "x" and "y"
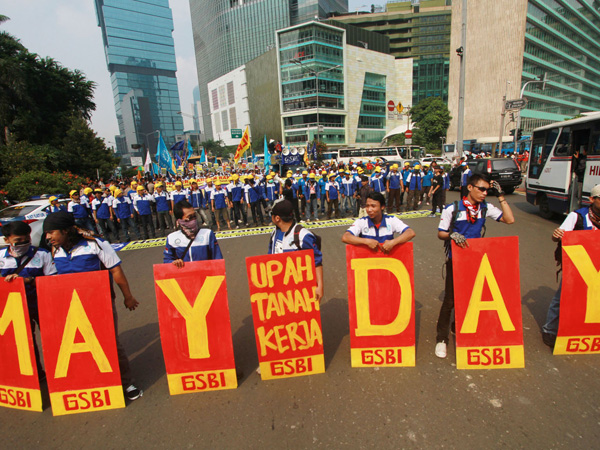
{"x": 67, "y": 31}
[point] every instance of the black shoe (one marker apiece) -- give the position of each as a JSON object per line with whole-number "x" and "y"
{"x": 549, "y": 339}
{"x": 132, "y": 392}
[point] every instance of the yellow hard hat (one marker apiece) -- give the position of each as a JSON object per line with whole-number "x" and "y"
{"x": 341, "y": 171}
{"x": 425, "y": 165}
{"x": 395, "y": 166}
{"x": 209, "y": 180}
{"x": 98, "y": 191}
{"x": 417, "y": 166}
{"x": 51, "y": 199}
{"x": 217, "y": 183}
{"x": 407, "y": 163}
{"x": 140, "y": 188}
{"x": 377, "y": 169}
{"x": 250, "y": 177}
{"x": 324, "y": 172}
{"x": 360, "y": 170}
{"x": 305, "y": 172}
{"x": 73, "y": 192}
{"x": 112, "y": 188}
{"x": 347, "y": 171}
{"x": 332, "y": 174}
{"x": 289, "y": 172}
{"x": 311, "y": 175}
{"x": 159, "y": 184}
{"x": 118, "y": 191}
{"x": 235, "y": 177}
{"x": 178, "y": 183}
{"x": 87, "y": 190}
{"x": 134, "y": 183}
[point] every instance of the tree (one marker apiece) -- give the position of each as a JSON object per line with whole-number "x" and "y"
{"x": 432, "y": 119}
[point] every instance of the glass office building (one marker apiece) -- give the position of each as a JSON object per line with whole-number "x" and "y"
{"x": 140, "y": 55}
{"x": 229, "y": 33}
{"x": 562, "y": 40}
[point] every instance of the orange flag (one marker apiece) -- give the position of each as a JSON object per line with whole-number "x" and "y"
{"x": 242, "y": 146}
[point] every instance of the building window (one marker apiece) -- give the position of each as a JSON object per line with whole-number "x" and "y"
{"x": 225, "y": 120}
{"x": 215, "y": 100}
{"x": 222, "y": 99}
{"x": 232, "y": 118}
{"x": 230, "y": 93}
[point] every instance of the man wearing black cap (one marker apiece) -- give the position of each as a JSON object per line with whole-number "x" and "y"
{"x": 289, "y": 237}
{"x": 76, "y": 253}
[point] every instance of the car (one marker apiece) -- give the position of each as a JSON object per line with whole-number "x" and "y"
{"x": 32, "y": 212}
{"x": 456, "y": 173}
{"x": 438, "y": 159}
{"x": 505, "y": 171}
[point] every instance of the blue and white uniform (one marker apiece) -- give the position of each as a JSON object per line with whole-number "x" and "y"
{"x": 122, "y": 207}
{"x": 413, "y": 181}
{"x": 365, "y": 228}
{"x": 394, "y": 180}
{"x": 219, "y": 196}
{"x": 162, "y": 201}
{"x": 102, "y": 207}
{"x": 86, "y": 256}
{"x": 281, "y": 242}
{"x": 348, "y": 187}
{"x": 178, "y": 196}
{"x": 462, "y": 225}
{"x": 205, "y": 247}
{"x": 332, "y": 188}
{"x": 464, "y": 178}
{"x": 142, "y": 204}
{"x": 196, "y": 198}
{"x": 79, "y": 210}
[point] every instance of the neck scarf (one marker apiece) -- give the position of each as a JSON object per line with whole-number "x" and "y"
{"x": 472, "y": 210}
{"x": 594, "y": 218}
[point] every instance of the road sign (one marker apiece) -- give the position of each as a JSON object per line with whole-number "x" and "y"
{"x": 408, "y": 134}
{"x": 391, "y": 105}
{"x": 408, "y": 141}
{"x": 400, "y": 108}
{"x": 236, "y": 133}
{"x": 519, "y": 103}
{"x": 137, "y": 161}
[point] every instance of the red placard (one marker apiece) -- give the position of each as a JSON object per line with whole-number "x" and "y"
{"x": 579, "y": 322}
{"x": 287, "y": 316}
{"x": 78, "y": 336}
{"x": 19, "y": 383}
{"x": 381, "y": 303}
{"x": 195, "y": 330}
{"x": 487, "y": 304}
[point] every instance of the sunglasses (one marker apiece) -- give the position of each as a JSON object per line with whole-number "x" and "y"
{"x": 482, "y": 189}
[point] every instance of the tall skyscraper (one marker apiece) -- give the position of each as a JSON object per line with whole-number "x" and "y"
{"x": 229, "y": 33}
{"x": 140, "y": 55}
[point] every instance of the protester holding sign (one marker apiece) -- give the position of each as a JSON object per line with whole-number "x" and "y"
{"x": 289, "y": 237}
{"x": 75, "y": 253}
{"x": 586, "y": 218}
{"x": 377, "y": 229}
{"x": 190, "y": 242}
{"x": 21, "y": 259}
{"x": 460, "y": 221}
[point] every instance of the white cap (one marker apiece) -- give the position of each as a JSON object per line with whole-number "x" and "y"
{"x": 595, "y": 192}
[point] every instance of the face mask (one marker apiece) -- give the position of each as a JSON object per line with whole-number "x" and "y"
{"x": 19, "y": 250}
{"x": 189, "y": 226}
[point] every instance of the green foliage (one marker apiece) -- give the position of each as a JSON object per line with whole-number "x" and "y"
{"x": 37, "y": 182}
{"x": 432, "y": 119}
{"x": 397, "y": 139}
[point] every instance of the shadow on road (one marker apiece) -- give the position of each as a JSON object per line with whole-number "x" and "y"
{"x": 335, "y": 325}
{"x": 244, "y": 349}
{"x": 537, "y": 300}
{"x": 145, "y": 354}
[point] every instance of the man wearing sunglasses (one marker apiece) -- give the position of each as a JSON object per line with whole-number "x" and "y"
{"x": 466, "y": 223}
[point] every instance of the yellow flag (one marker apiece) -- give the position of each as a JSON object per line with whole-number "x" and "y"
{"x": 242, "y": 146}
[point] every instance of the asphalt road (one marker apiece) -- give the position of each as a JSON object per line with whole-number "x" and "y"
{"x": 551, "y": 403}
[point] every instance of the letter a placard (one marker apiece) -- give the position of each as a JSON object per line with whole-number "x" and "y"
{"x": 195, "y": 329}
{"x": 287, "y": 316}
{"x": 487, "y": 304}
{"x": 19, "y": 383}
{"x": 579, "y": 323}
{"x": 381, "y": 303}
{"x": 78, "y": 336}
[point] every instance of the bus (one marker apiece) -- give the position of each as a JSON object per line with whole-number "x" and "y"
{"x": 490, "y": 145}
{"x": 551, "y": 183}
{"x": 393, "y": 153}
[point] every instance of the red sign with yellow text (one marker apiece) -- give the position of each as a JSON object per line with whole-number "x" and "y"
{"x": 287, "y": 316}
{"x": 579, "y": 322}
{"x": 381, "y": 303}
{"x": 78, "y": 335}
{"x": 195, "y": 330}
{"x": 487, "y": 304}
{"x": 19, "y": 383}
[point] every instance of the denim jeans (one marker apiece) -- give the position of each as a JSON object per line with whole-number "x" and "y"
{"x": 126, "y": 224}
{"x": 551, "y": 325}
{"x": 311, "y": 204}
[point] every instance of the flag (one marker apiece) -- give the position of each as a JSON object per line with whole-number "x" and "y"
{"x": 177, "y": 146}
{"x": 164, "y": 157}
{"x": 177, "y": 159}
{"x": 267, "y": 157}
{"x": 155, "y": 169}
{"x": 190, "y": 151}
{"x": 242, "y": 146}
{"x": 306, "y": 154}
{"x": 314, "y": 151}
{"x": 203, "y": 156}
{"x": 148, "y": 163}
{"x": 254, "y": 158}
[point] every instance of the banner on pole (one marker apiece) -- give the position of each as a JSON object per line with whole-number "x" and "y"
{"x": 195, "y": 329}
{"x": 19, "y": 383}
{"x": 287, "y": 316}
{"x": 78, "y": 336}
{"x": 381, "y": 306}
{"x": 579, "y": 322}
{"x": 487, "y": 304}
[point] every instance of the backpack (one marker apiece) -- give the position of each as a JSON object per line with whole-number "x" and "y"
{"x": 558, "y": 250}
{"x": 297, "y": 230}
{"x": 447, "y": 245}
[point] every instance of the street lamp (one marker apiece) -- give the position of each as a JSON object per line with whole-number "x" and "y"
{"x": 316, "y": 74}
{"x": 502, "y": 116}
{"x": 518, "y": 127}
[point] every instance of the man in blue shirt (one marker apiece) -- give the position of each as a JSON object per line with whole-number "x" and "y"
{"x": 237, "y": 200}
{"x": 203, "y": 246}
{"x": 348, "y": 189}
{"x": 55, "y": 206}
{"x": 378, "y": 180}
{"x": 21, "y": 259}
{"x": 103, "y": 214}
{"x": 74, "y": 253}
{"x": 254, "y": 197}
{"x": 178, "y": 194}
{"x": 289, "y": 236}
{"x": 123, "y": 210}
{"x": 219, "y": 203}
{"x": 466, "y": 224}
{"x": 377, "y": 229}
{"x": 394, "y": 186}
{"x": 163, "y": 207}
{"x": 332, "y": 191}
{"x": 323, "y": 192}
{"x": 405, "y": 173}
{"x": 311, "y": 194}
{"x": 464, "y": 179}
{"x": 142, "y": 204}
{"x": 427, "y": 177}
{"x": 414, "y": 184}
{"x": 80, "y": 208}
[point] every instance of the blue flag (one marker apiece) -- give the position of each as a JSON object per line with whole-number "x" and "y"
{"x": 203, "y": 156}
{"x": 178, "y": 159}
{"x": 177, "y": 146}
{"x": 155, "y": 169}
{"x": 314, "y": 151}
{"x": 164, "y": 157}
{"x": 254, "y": 158}
{"x": 190, "y": 151}
{"x": 267, "y": 157}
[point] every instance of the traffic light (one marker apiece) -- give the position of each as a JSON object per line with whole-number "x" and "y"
{"x": 519, "y": 133}
{"x": 512, "y": 132}
{"x": 460, "y": 50}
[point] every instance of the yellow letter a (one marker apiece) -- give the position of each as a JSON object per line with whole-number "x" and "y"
{"x": 476, "y": 305}
{"x": 585, "y": 266}
{"x": 77, "y": 319}
{"x": 14, "y": 313}
{"x": 364, "y": 327}
{"x": 195, "y": 317}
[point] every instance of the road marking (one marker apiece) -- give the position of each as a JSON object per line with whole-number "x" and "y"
{"x": 230, "y": 234}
